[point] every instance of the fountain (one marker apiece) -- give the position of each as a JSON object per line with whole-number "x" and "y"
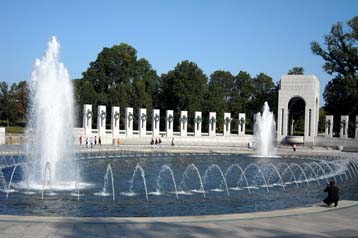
{"x": 264, "y": 131}
{"x": 233, "y": 184}
{"x": 141, "y": 170}
{"x": 182, "y": 185}
{"x": 49, "y": 131}
{"x": 163, "y": 169}
{"x": 107, "y": 176}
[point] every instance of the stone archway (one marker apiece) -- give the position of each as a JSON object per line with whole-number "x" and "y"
{"x": 296, "y": 116}
{"x": 295, "y": 89}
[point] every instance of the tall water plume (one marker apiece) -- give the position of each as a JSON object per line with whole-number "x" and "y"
{"x": 49, "y": 131}
{"x": 264, "y": 131}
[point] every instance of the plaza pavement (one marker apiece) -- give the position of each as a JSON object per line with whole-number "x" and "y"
{"x": 315, "y": 221}
{"x": 192, "y": 148}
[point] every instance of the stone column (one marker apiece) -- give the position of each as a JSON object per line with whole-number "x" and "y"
{"x": 169, "y": 122}
{"x": 212, "y": 123}
{"x": 142, "y": 122}
{"x": 227, "y": 123}
{"x": 282, "y": 120}
{"x": 197, "y": 123}
{"x": 328, "y": 132}
{"x": 156, "y": 122}
{"x": 356, "y": 126}
{"x": 129, "y": 121}
{"x": 242, "y": 124}
{"x": 2, "y": 135}
{"x": 115, "y": 120}
{"x": 183, "y": 123}
{"x": 291, "y": 127}
{"x": 101, "y": 120}
{"x": 310, "y": 124}
{"x": 344, "y": 127}
{"x": 87, "y": 119}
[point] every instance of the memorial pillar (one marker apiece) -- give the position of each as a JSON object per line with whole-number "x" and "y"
{"x": 212, "y": 123}
{"x": 328, "y": 132}
{"x": 242, "y": 124}
{"x": 87, "y": 119}
{"x": 356, "y": 127}
{"x": 183, "y": 123}
{"x": 344, "y": 127}
{"x": 129, "y": 121}
{"x": 155, "y": 122}
{"x": 197, "y": 123}
{"x": 169, "y": 121}
{"x": 115, "y": 120}
{"x": 142, "y": 122}
{"x": 2, "y": 135}
{"x": 101, "y": 120}
{"x": 227, "y": 123}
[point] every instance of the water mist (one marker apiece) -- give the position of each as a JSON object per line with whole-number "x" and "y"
{"x": 49, "y": 132}
{"x": 264, "y": 131}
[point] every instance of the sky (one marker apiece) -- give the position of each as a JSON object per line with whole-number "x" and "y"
{"x": 253, "y": 35}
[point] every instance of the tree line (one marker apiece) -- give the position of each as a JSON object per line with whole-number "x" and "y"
{"x": 13, "y": 103}
{"x": 119, "y": 78}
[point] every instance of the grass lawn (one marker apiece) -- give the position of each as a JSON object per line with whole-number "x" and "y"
{"x": 15, "y": 129}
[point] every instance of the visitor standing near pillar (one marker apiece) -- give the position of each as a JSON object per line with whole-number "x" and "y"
{"x": 86, "y": 142}
{"x": 91, "y": 142}
{"x": 80, "y": 140}
{"x": 95, "y": 140}
{"x": 99, "y": 141}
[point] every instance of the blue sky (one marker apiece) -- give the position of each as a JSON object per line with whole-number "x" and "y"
{"x": 254, "y": 36}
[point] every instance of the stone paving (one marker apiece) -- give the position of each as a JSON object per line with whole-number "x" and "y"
{"x": 282, "y": 150}
{"x": 315, "y": 221}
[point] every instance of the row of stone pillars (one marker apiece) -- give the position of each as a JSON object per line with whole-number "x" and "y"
{"x": 344, "y": 122}
{"x": 142, "y": 120}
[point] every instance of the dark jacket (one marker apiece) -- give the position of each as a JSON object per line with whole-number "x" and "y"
{"x": 333, "y": 193}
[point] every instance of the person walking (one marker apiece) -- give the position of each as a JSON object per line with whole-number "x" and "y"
{"x": 95, "y": 140}
{"x": 87, "y": 142}
{"x": 80, "y": 140}
{"x": 91, "y": 142}
{"x": 294, "y": 147}
{"x": 333, "y": 194}
{"x": 173, "y": 141}
{"x": 99, "y": 141}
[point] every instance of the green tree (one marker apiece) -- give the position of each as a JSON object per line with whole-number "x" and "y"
{"x": 264, "y": 90}
{"x": 117, "y": 77}
{"x": 219, "y": 94}
{"x": 340, "y": 53}
{"x": 242, "y": 94}
{"x": 7, "y": 103}
{"x": 341, "y": 49}
{"x": 184, "y": 88}
{"x": 22, "y": 99}
{"x": 296, "y": 71}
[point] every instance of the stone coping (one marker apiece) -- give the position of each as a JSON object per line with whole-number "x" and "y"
{"x": 316, "y": 208}
{"x": 282, "y": 150}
